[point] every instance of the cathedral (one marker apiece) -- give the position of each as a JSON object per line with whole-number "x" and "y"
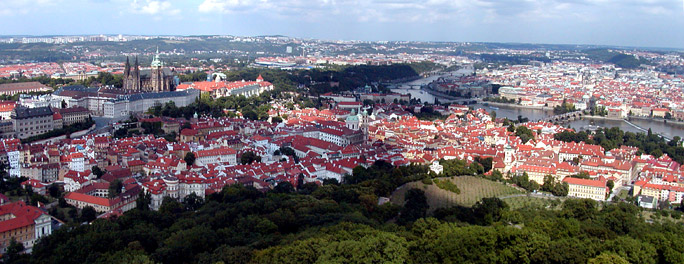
{"x": 156, "y": 79}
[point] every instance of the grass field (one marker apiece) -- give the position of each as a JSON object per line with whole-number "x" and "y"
{"x": 651, "y": 215}
{"x": 533, "y": 202}
{"x": 623, "y": 194}
{"x": 472, "y": 189}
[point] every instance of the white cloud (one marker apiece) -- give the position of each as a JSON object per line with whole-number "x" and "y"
{"x": 361, "y": 10}
{"x": 154, "y": 7}
{"x": 21, "y": 7}
{"x": 437, "y": 10}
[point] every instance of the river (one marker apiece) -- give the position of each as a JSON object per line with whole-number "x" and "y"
{"x": 510, "y": 112}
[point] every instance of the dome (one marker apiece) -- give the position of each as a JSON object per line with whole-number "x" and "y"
{"x": 352, "y": 117}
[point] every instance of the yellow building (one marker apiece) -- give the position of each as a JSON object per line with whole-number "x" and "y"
{"x": 586, "y": 188}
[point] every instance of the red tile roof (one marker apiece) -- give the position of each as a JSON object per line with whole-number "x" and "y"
{"x": 585, "y": 182}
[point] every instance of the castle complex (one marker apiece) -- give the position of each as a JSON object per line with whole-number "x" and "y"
{"x": 156, "y": 79}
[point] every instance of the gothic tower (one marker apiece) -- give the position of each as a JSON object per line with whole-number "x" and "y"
{"x": 157, "y": 74}
{"x": 127, "y": 67}
{"x": 136, "y": 75}
{"x": 131, "y": 77}
{"x": 364, "y": 126}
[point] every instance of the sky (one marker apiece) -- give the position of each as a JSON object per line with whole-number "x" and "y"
{"x": 641, "y": 23}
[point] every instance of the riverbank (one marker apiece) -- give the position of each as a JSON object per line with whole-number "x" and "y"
{"x": 664, "y": 121}
{"x": 545, "y": 108}
{"x": 603, "y": 118}
{"x": 443, "y": 95}
{"x": 534, "y": 113}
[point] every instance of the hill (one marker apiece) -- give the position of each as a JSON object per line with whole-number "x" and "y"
{"x": 472, "y": 189}
{"x": 616, "y": 57}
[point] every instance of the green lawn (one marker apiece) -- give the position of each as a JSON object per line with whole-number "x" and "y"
{"x": 651, "y": 215}
{"x": 533, "y": 202}
{"x": 623, "y": 194}
{"x": 473, "y": 189}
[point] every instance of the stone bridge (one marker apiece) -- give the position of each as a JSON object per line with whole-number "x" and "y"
{"x": 564, "y": 117}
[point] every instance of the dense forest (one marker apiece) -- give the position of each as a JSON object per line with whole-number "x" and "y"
{"x": 343, "y": 223}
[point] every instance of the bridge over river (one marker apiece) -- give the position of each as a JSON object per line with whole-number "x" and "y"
{"x": 570, "y": 116}
{"x": 577, "y": 115}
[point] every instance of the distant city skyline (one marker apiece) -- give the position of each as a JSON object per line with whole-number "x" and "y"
{"x": 638, "y": 23}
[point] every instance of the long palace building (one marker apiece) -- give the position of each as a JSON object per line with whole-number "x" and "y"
{"x": 220, "y": 88}
{"x": 155, "y": 79}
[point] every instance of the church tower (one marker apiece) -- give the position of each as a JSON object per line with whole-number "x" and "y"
{"x": 364, "y": 125}
{"x": 136, "y": 75}
{"x": 127, "y": 68}
{"x": 157, "y": 74}
{"x": 131, "y": 77}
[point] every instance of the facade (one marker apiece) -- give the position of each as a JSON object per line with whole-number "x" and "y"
{"x": 91, "y": 197}
{"x": 217, "y": 155}
{"x": 73, "y": 115}
{"x": 80, "y": 96}
{"x": 174, "y": 188}
{"x": 76, "y": 162}
{"x": 125, "y": 105}
{"x": 30, "y": 122}
{"x": 23, "y": 223}
{"x": 586, "y": 188}
{"x": 23, "y": 87}
{"x": 7, "y": 129}
{"x": 220, "y": 88}
{"x": 156, "y": 79}
{"x": 6, "y": 108}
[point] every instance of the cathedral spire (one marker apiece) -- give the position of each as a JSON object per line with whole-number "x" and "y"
{"x": 156, "y": 62}
{"x": 127, "y": 67}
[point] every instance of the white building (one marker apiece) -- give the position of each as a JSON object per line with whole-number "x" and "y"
{"x": 77, "y": 162}
{"x": 436, "y": 167}
{"x": 124, "y": 106}
{"x": 13, "y": 157}
{"x": 216, "y": 155}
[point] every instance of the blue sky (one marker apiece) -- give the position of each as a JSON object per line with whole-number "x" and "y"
{"x": 652, "y": 23}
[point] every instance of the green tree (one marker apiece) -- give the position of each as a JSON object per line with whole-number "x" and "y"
{"x": 192, "y": 202}
{"x": 97, "y": 171}
{"x": 171, "y": 206}
{"x": 608, "y": 258}
{"x": 250, "y": 114}
{"x": 610, "y": 184}
{"x": 14, "y": 249}
{"x": 415, "y": 206}
{"x": 525, "y": 134}
{"x": 115, "y": 188}
{"x": 54, "y": 190}
{"x": 88, "y": 214}
{"x": 284, "y": 187}
{"x": 489, "y": 210}
{"x": 248, "y": 157}
{"x": 143, "y": 201}
{"x": 189, "y": 158}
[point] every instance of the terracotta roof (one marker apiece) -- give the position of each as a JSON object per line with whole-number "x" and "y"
{"x": 89, "y": 199}
{"x": 24, "y": 215}
{"x": 215, "y": 152}
{"x": 585, "y": 182}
